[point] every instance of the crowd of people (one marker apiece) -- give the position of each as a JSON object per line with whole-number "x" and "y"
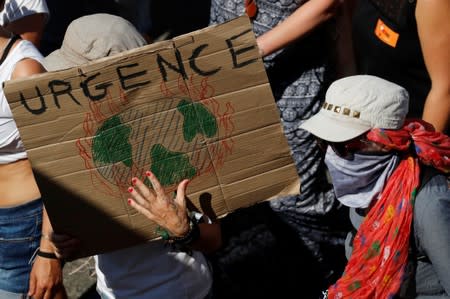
{"x": 363, "y": 93}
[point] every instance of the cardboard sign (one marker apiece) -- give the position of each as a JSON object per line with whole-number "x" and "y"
{"x": 198, "y": 106}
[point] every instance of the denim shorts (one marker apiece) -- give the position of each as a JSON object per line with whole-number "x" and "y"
{"x": 20, "y": 233}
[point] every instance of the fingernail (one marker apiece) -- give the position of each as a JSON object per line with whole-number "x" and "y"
{"x": 133, "y": 181}
{"x": 148, "y": 173}
{"x": 129, "y": 201}
{"x": 130, "y": 189}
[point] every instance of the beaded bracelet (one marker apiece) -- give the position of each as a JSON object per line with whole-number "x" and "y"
{"x": 192, "y": 234}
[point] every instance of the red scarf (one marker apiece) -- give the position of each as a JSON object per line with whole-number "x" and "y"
{"x": 380, "y": 247}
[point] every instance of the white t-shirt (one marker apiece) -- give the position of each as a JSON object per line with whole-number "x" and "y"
{"x": 16, "y": 9}
{"x": 152, "y": 271}
{"x": 11, "y": 146}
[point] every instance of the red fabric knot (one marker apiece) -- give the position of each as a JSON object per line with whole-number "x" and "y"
{"x": 380, "y": 248}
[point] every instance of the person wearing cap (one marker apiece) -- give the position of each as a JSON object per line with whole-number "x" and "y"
{"x": 391, "y": 173}
{"x": 26, "y": 18}
{"x": 28, "y": 265}
{"x": 153, "y": 269}
{"x": 294, "y": 41}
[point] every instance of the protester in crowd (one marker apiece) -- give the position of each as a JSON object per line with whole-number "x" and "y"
{"x": 27, "y": 262}
{"x": 408, "y": 42}
{"x": 153, "y": 269}
{"x": 296, "y": 45}
{"x": 26, "y": 18}
{"x": 391, "y": 173}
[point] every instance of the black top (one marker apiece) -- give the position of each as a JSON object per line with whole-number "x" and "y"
{"x": 400, "y": 62}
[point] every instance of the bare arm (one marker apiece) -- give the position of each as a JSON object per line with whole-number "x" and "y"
{"x": 433, "y": 26}
{"x": 46, "y": 274}
{"x": 305, "y": 19}
{"x": 26, "y": 68}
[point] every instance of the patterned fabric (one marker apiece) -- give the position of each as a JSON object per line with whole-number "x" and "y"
{"x": 264, "y": 241}
{"x": 299, "y": 74}
{"x": 432, "y": 148}
{"x": 377, "y": 265}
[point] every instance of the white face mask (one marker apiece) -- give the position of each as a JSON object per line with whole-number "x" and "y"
{"x": 358, "y": 181}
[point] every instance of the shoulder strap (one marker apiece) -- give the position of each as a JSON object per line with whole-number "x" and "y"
{"x": 8, "y": 47}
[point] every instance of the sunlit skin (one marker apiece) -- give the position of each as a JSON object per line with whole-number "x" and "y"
{"x": 433, "y": 26}
{"x": 18, "y": 186}
{"x": 158, "y": 205}
{"x": 299, "y": 24}
{"x": 169, "y": 212}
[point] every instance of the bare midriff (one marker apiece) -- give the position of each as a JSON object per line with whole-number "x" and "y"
{"x": 17, "y": 184}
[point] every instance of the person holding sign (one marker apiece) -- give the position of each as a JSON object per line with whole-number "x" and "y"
{"x": 152, "y": 269}
{"x": 28, "y": 264}
{"x": 296, "y": 48}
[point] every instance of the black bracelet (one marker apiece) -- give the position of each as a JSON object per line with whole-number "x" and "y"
{"x": 48, "y": 255}
{"x": 192, "y": 235}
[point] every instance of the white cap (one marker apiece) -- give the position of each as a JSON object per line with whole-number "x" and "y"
{"x": 356, "y": 104}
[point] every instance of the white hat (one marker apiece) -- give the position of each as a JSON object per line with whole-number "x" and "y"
{"x": 356, "y": 104}
{"x": 92, "y": 37}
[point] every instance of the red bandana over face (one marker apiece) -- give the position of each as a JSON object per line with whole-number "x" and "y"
{"x": 380, "y": 247}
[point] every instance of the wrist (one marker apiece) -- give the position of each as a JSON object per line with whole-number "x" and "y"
{"x": 190, "y": 235}
{"x": 261, "y": 44}
{"x": 46, "y": 244}
{"x": 46, "y": 236}
{"x": 48, "y": 254}
{"x": 182, "y": 229}
{"x": 261, "y": 52}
